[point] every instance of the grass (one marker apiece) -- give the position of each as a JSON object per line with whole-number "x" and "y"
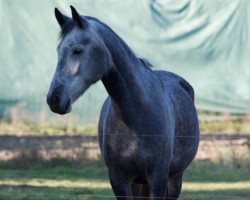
{"x": 225, "y": 127}
{"x": 16, "y": 124}
{"x": 31, "y": 129}
{"x": 59, "y": 182}
{"x": 22, "y": 129}
{"x": 203, "y": 180}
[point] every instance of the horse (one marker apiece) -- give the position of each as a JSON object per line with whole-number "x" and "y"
{"x": 148, "y": 128}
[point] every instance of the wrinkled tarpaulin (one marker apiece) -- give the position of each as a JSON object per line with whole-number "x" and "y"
{"x": 207, "y": 42}
{"x": 210, "y": 48}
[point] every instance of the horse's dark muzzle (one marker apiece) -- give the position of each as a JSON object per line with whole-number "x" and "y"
{"x": 58, "y": 105}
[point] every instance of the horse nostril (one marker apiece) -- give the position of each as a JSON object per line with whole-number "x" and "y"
{"x": 55, "y": 100}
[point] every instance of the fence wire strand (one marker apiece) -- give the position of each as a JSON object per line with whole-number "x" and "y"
{"x": 196, "y": 197}
{"x": 61, "y": 134}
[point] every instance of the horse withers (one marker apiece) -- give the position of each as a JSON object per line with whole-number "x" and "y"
{"x": 148, "y": 127}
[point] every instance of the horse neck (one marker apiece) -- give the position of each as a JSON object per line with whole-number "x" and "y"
{"x": 125, "y": 80}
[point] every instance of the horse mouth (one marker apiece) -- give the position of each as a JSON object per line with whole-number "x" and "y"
{"x": 61, "y": 109}
{"x": 64, "y": 111}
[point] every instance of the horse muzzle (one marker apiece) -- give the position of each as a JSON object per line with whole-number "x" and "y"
{"x": 59, "y": 104}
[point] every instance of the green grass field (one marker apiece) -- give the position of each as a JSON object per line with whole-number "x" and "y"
{"x": 202, "y": 180}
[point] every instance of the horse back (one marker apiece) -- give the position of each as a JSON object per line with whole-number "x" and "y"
{"x": 175, "y": 80}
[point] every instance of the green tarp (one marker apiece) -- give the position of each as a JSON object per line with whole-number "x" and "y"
{"x": 206, "y": 42}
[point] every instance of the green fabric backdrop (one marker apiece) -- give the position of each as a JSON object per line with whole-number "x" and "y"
{"x": 206, "y": 42}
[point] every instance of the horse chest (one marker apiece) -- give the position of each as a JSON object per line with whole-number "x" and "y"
{"x": 131, "y": 152}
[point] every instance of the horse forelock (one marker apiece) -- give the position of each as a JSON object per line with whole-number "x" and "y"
{"x": 70, "y": 25}
{"x": 66, "y": 29}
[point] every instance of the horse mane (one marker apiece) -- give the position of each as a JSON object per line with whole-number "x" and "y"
{"x": 70, "y": 25}
{"x": 146, "y": 62}
{"x": 66, "y": 29}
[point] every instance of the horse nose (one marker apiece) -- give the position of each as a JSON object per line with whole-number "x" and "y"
{"x": 53, "y": 100}
{"x": 58, "y": 103}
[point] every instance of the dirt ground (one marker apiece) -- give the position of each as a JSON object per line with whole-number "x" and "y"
{"x": 86, "y": 147}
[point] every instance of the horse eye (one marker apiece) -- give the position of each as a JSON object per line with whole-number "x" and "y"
{"x": 77, "y": 51}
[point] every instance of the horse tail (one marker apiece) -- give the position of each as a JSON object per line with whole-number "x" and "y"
{"x": 186, "y": 86}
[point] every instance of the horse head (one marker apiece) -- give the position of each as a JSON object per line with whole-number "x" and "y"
{"x": 82, "y": 61}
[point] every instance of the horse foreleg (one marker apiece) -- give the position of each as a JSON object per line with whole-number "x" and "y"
{"x": 120, "y": 185}
{"x": 158, "y": 185}
{"x": 174, "y": 186}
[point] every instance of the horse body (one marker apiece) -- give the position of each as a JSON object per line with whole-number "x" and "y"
{"x": 147, "y": 151}
{"x": 148, "y": 127}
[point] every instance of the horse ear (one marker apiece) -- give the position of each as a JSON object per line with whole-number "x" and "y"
{"x": 61, "y": 19}
{"x": 80, "y": 21}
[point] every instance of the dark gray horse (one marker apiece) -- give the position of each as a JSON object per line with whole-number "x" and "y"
{"x": 148, "y": 128}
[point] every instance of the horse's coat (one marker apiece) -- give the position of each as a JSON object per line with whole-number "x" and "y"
{"x": 148, "y": 127}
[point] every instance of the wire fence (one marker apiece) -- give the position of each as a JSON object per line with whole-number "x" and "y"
{"x": 110, "y": 197}
{"x": 65, "y": 133}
